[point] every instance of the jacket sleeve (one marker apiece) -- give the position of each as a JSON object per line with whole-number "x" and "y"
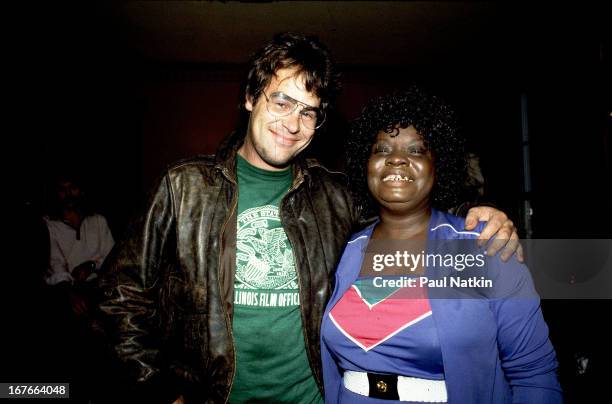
{"x": 130, "y": 282}
{"x": 527, "y": 355}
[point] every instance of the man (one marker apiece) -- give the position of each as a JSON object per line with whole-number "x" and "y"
{"x": 218, "y": 292}
{"x": 79, "y": 239}
{"x": 79, "y": 242}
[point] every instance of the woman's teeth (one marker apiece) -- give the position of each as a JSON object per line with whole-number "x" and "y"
{"x": 397, "y": 177}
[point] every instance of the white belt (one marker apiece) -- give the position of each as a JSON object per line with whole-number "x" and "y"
{"x": 408, "y": 388}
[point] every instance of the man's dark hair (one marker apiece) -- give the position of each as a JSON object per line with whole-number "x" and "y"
{"x": 432, "y": 119}
{"x": 306, "y": 54}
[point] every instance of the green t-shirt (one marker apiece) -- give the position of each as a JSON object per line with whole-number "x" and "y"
{"x": 271, "y": 361}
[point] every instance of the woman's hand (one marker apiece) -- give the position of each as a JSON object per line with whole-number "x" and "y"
{"x": 498, "y": 226}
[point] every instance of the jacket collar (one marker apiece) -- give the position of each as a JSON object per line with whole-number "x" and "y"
{"x": 436, "y": 220}
{"x": 225, "y": 162}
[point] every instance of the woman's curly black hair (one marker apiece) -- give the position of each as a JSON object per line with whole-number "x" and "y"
{"x": 432, "y": 119}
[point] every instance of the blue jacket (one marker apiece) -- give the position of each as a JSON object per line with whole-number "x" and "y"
{"x": 495, "y": 349}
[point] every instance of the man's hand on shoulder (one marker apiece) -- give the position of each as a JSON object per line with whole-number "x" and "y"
{"x": 499, "y": 228}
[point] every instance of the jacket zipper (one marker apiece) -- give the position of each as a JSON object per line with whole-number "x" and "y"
{"x": 227, "y": 320}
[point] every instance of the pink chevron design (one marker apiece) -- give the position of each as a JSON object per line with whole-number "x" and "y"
{"x": 370, "y": 325}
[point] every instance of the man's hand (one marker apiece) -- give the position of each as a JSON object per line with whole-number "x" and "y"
{"x": 179, "y": 400}
{"x": 498, "y": 225}
{"x": 81, "y": 272}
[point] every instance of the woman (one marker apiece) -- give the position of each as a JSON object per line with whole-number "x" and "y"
{"x": 422, "y": 341}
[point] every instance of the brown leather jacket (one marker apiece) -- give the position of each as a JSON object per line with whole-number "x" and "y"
{"x": 168, "y": 286}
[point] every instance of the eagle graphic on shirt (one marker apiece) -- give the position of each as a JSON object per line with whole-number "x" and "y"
{"x": 263, "y": 253}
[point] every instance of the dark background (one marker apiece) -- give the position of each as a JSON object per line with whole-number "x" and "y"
{"x": 118, "y": 90}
